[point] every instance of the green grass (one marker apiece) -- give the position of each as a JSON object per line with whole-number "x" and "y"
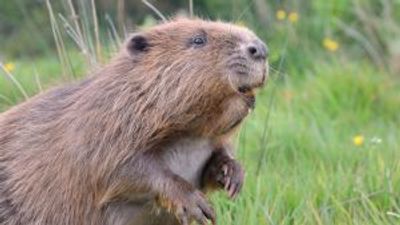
{"x": 311, "y": 172}
{"x": 34, "y": 75}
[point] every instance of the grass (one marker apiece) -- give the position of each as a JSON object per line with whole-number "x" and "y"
{"x": 311, "y": 171}
{"x": 303, "y": 167}
{"x": 34, "y": 75}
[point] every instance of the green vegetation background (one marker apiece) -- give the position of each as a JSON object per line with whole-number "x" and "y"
{"x": 322, "y": 146}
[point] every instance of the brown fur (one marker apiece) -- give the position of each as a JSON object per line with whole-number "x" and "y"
{"x": 81, "y": 154}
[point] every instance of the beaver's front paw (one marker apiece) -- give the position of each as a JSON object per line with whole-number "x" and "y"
{"x": 188, "y": 204}
{"x": 231, "y": 177}
{"x": 226, "y": 173}
{"x": 194, "y": 206}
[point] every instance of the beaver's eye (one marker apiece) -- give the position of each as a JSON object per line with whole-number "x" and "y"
{"x": 199, "y": 41}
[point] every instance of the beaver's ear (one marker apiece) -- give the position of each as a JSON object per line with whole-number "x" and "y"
{"x": 137, "y": 44}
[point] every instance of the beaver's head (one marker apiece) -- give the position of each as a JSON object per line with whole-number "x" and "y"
{"x": 201, "y": 53}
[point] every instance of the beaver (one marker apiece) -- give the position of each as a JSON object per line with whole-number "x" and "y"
{"x": 141, "y": 139}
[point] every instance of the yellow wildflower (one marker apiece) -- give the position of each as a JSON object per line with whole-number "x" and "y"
{"x": 281, "y": 14}
{"x": 358, "y": 140}
{"x": 293, "y": 17}
{"x": 288, "y": 95}
{"x": 330, "y": 45}
{"x": 9, "y": 67}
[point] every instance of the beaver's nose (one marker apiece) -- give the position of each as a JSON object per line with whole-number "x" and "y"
{"x": 257, "y": 50}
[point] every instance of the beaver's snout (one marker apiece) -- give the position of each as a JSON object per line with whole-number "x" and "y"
{"x": 248, "y": 67}
{"x": 257, "y": 50}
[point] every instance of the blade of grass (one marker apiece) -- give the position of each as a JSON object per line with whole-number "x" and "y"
{"x": 61, "y": 49}
{"x": 191, "y": 8}
{"x": 37, "y": 79}
{"x": 96, "y": 31}
{"x": 155, "y": 10}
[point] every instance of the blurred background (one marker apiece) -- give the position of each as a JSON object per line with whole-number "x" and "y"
{"x": 322, "y": 146}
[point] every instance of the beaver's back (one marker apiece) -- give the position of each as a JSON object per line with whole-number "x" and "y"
{"x": 37, "y": 182}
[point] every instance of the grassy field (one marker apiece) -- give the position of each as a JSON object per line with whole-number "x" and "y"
{"x": 321, "y": 147}
{"x": 326, "y": 152}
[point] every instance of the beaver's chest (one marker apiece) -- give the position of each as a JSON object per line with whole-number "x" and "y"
{"x": 186, "y": 158}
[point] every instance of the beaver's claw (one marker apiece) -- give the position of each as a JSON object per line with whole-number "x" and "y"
{"x": 226, "y": 173}
{"x": 195, "y": 206}
{"x": 231, "y": 177}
